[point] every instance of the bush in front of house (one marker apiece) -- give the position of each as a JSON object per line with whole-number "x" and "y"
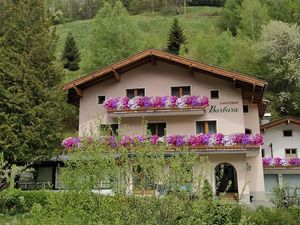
{"x": 15, "y": 201}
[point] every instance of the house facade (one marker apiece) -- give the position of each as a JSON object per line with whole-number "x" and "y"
{"x": 221, "y": 101}
{"x": 281, "y": 153}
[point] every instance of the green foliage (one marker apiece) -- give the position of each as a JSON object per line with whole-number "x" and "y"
{"x": 206, "y": 191}
{"x": 280, "y": 49}
{"x": 176, "y": 38}
{"x": 58, "y": 17}
{"x": 71, "y": 55}
{"x": 113, "y": 36}
{"x": 30, "y": 92}
{"x": 285, "y": 197}
{"x": 284, "y": 10}
{"x": 217, "y": 3}
{"x": 253, "y": 16}
{"x": 15, "y": 201}
{"x": 230, "y": 16}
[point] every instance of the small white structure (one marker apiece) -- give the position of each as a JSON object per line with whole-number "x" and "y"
{"x": 281, "y": 153}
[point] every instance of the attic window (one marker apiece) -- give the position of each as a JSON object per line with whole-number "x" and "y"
{"x": 214, "y": 94}
{"x": 101, "y": 99}
{"x": 287, "y": 133}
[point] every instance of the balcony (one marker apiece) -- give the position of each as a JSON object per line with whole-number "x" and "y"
{"x": 141, "y": 106}
{"x": 281, "y": 163}
{"x": 201, "y": 143}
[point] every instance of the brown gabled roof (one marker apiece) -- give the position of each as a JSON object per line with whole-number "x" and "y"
{"x": 286, "y": 120}
{"x": 255, "y": 86}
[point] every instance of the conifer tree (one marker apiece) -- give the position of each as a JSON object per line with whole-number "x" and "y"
{"x": 71, "y": 55}
{"x": 176, "y": 38}
{"x": 30, "y": 92}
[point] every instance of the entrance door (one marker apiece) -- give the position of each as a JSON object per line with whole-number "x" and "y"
{"x": 226, "y": 179}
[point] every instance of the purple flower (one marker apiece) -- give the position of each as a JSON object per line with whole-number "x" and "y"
{"x": 71, "y": 142}
{"x": 113, "y": 141}
{"x": 267, "y": 161}
{"x": 219, "y": 138}
{"x": 294, "y": 162}
{"x": 246, "y": 139}
{"x": 126, "y": 141}
{"x": 180, "y": 140}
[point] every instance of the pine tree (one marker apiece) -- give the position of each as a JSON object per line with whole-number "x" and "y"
{"x": 71, "y": 55}
{"x": 30, "y": 93}
{"x": 176, "y": 38}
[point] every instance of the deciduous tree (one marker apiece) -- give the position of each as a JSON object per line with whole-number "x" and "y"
{"x": 280, "y": 50}
{"x": 113, "y": 36}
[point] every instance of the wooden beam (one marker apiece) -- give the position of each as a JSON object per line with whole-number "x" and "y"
{"x": 234, "y": 81}
{"x": 117, "y": 75}
{"x": 153, "y": 60}
{"x": 191, "y": 70}
{"x": 79, "y": 92}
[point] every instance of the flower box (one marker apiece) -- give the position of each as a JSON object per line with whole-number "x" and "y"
{"x": 152, "y": 103}
{"x": 193, "y": 142}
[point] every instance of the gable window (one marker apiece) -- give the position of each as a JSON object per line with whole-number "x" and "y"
{"x": 109, "y": 129}
{"x": 287, "y": 133}
{"x": 214, "y": 94}
{"x": 290, "y": 153}
{"x": 245, "y": 108}
{"x": 101, "y": 99}
{"x": 157, "y": 129}
{"x": 130, "y": 93}
{"x": 205, "y": 127}
{"x": 180, "y": 91}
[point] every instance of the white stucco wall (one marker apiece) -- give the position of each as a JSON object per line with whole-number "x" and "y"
{"x": 157, "y": 81}
{"x": 275, "y": 136}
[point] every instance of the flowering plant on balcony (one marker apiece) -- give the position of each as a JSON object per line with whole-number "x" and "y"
{"x": 175, "y": 141}
{"x": 269, "y": 162}
{"x": 158, "y": 102}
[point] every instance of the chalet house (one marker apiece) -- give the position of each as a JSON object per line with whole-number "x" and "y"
{"x": 281, "y": 153}
{"x": 221, "y": 102}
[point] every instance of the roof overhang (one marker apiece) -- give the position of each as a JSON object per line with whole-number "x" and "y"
{"x": 253, "y": 88}
{"x": 285, "y": 120}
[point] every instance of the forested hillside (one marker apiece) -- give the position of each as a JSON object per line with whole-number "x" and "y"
{"x": 242, "y": 35}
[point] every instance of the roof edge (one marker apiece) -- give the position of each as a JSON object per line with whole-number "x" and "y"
{"x": 179, "y": 59}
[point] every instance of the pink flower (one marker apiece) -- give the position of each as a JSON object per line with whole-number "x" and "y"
{"x": 154, "y": 139}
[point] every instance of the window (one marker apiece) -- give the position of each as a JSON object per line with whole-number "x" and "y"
{"x": 101, "y": 99}
{"x": 180, "y": 91}
{"x": 290, "y": 153}
{"x": 263, "y": 153}
{"x": 206, "y": 127}
{"x": 287, "y": 133}
{"x": 130, "y": 93}
{"x": 214, "y": 94}
{"x": 109, "y": 129}
{"x": 248, "y": 131}
{"x": 245, "y": 108}
{"x": 157, "y": 129}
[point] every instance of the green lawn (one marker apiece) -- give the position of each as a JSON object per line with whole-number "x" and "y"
{"x": 153, "y": 30}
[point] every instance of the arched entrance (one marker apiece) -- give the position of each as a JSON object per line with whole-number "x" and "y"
{"x": 226, "y": 178}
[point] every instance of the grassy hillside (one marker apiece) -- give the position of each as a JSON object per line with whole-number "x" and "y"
{"x": 153, "y": 30}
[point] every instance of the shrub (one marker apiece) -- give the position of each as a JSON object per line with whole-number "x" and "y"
{"x": 15, "y": 201}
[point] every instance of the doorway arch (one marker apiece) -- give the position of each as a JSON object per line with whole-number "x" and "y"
{"x": 226, "y": 178}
